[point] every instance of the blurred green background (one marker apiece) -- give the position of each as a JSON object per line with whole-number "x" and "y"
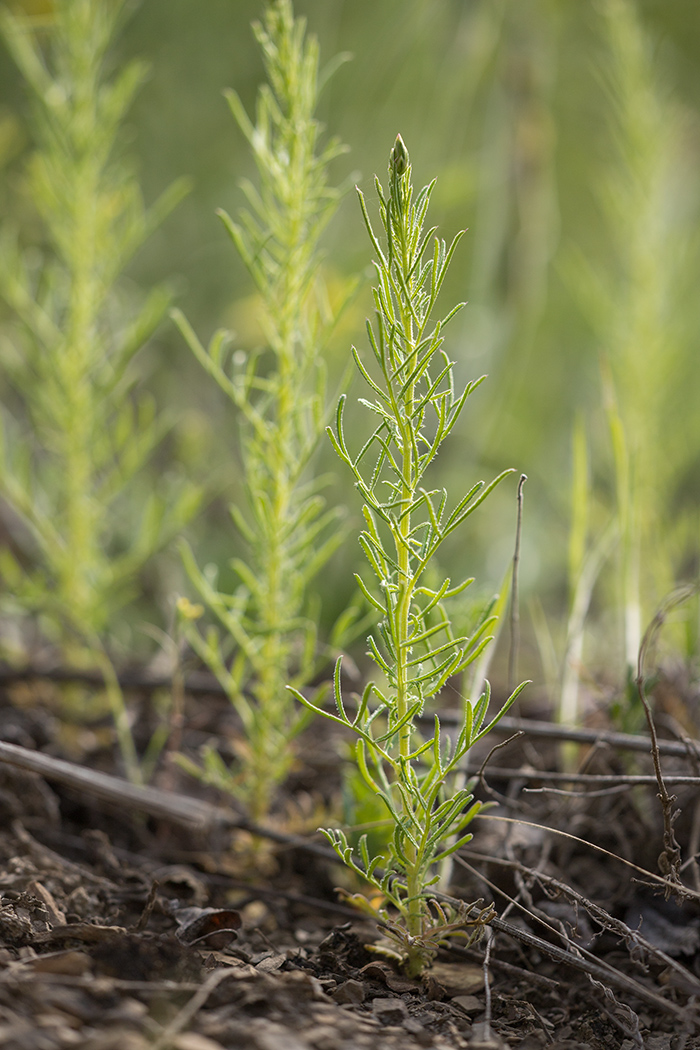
{"x": 521, "y": 109}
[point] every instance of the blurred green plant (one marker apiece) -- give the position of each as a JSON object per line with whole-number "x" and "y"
{"x": 84, "y": 434}
{"x": 636, "y": 305}
{"x": 270, "y": 621}
{"x": 405, "y": 526}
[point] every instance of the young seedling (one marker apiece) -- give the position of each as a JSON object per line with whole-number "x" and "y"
{"x": 406, "y": 523}
{"x": 270, "y": 624}
{"x": 83, "y": 434}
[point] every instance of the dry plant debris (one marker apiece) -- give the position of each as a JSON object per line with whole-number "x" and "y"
{"x": 124, "y": 923}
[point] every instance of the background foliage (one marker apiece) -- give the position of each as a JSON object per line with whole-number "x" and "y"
{"x": 517, "y": 109}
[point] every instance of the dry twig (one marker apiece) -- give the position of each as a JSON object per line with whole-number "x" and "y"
{"x": 670, "y": 857}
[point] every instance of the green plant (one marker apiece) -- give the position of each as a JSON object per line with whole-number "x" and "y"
{"x": 636, "y": 302}
{"x": 405, "y": 526}
{"x": 270, "y": 620}
{"x": 84, "y": 434}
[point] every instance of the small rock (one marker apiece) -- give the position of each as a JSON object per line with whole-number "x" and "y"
{"x": 539, "y": 1040}
{"x": 270, "y": 1036}
{"x": 304, "y": 986}
{"x": 193, "y": 1041}
{"x": 323, "y": 1037}
{"x": 351, "y": 992}
{"x": 457, "y": 978}
{"x": 128, "y": 1011}
{"x": 389, "y": 1011}
{"x": 421, "y": 1035}
{"x": 271, "y": 964}
{"x": 122, "y": 1039}
{"x": 468, "y": 1003}
{"x": 323, "y": 1014}
{"x": 658, "y": 1042}
{"x": 348, "y": 1027}
{"x": 57, "y": 1023}
{"x": 70, "y": 963}
{"x": 38, "y": 890}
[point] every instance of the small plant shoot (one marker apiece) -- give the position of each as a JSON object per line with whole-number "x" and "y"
{"x": 74, "y": 454}
{"x": 406, "y": 523}
{"x": 271, "y": 619}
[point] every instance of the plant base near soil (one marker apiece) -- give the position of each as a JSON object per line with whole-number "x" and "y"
{"x": 104, "y": 941}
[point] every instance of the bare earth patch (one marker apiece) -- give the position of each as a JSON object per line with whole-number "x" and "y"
{"x": 121, "y": 930}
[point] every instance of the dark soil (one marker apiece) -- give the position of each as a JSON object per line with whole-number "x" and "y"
{"x": 120, "y": 931}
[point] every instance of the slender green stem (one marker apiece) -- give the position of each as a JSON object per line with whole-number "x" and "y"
{"x": 405, "y": 576}
{"x": 80, "y": 517}
{"x": 415, "y": 650}
{"x": 281, "y": 394}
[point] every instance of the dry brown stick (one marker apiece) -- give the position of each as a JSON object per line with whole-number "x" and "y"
{"x": 202, "y": 682}
{"x": 590, "y": 779}
{"x": 657, "y": 880}
{"x": 190, "y": 1010}
{"x": 619, "y": 1013}
{"x": 670, "y": 857}
{"x": 178, "y": 808}
{"x": 482, "y": 779}
{"x": 634, "y": 940}
{"x": 694, "y": 837}
{"x": 156, "y": 803}
{"x": 148, "y": 908}
{"x": 606, "y": 792}
{"x": 165, "y": 805}
{"x": 139, "y": 679}
{"x": 636, "y": 943}
{"x": 583, "y": 735}
{"x": 85, "y": 932}
{"x": 481, "y": 1032}
{"x": 598, "y": 969}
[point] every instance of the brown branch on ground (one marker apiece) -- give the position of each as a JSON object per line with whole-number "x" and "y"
{"x": 584, "y": 962}
{"x": 189, "y": 1010}
{"x": 200, "y": 683}
{"x": 670, "y": 857}
{"x": 166, "y": 805}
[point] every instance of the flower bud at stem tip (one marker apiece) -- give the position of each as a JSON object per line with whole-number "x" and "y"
{"x": 398, "y": 158}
